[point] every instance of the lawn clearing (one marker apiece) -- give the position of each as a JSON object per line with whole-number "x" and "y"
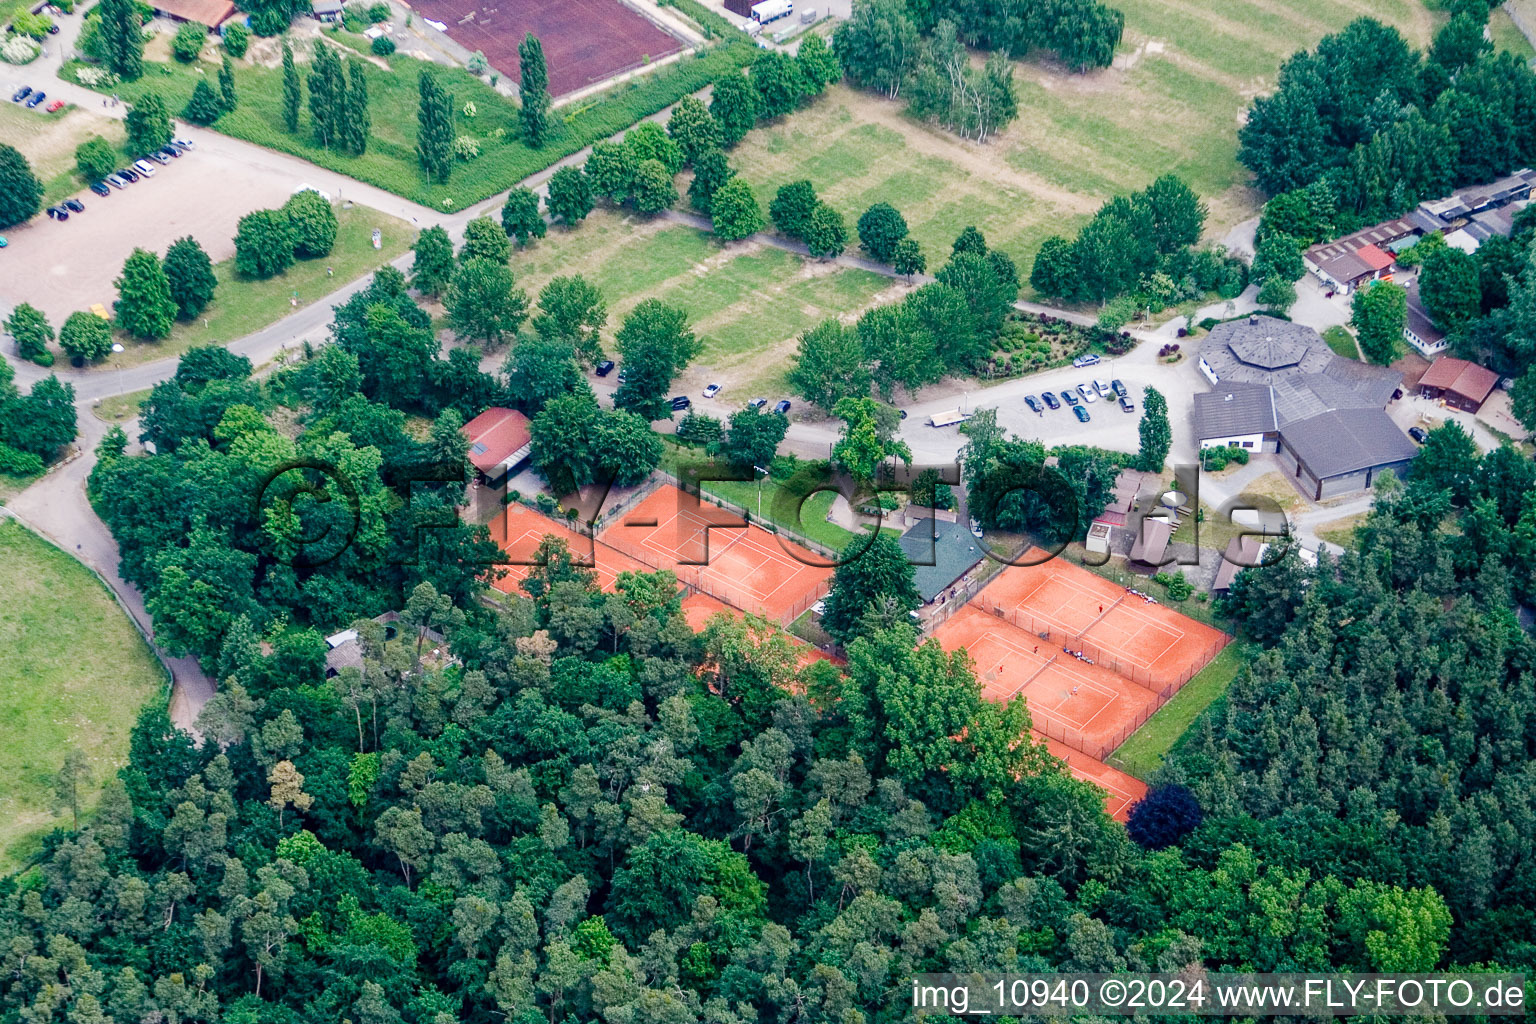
{"x": 391, "y": 161}
{"x": 1173, "y": 102}
{"x": 749, "y": 303}
{"x": 1507, "y": 35}
{"x": 1143, "y": 752}
{"x": 1342, "y": 342}
{"x": 48, "y": 142}
{"x": 118, "y": 408}
{"x": 1341, "y": 531}
{"x": 241, "y": 306}
{"x": 75, "y": 674}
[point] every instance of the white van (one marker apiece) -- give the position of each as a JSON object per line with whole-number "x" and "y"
{"x": 145, "y": 168}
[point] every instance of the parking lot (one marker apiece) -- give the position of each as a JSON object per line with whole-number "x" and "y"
{"x": 64, "y": 266}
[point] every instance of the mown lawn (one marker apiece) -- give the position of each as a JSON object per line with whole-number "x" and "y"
{"x": 1144, "y": 751}
{"x": 747, "y": 303}
{"x": 391, "y": 161}
{"x": 1342, "y": 342}
{"x": 241, "y": 306}
{"x": 48, "y": 142}
{"x": 75, "y": 674}
{"x": 1173, "y": 102}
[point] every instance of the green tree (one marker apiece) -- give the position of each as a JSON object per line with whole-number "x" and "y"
{"x": 1450, "y": 288}
{"x": 753, "y": 437}
{"x": 85, "y": 336}
{"x": 1055, "y": 270}
{"x": 1459, "y": 42}
{"x": 562, "y": 435}
{"x": 312, "y": 220}
{"x": 264, "y": 244}
{"x": 148, "y": 125}
{"x": 1156, "y": 435}
{"x": 229, "y": 100}
{"x": 649, "y": 141}
{"x": 825, "y": 232}
{"x": 779, "y": 82}
{"x": 656, "y": 345}
{"x": 1277, "y": 294}
{"x": 1522, "y": 399}
{"x": 520, "y": 216}
{"x": 293, "y": 90}
{"x": 1278, "y": 256}
{"x": 483, "y": 304}
{"x": 21, "y": 195}
{"x": 204, "y": 106}
{"x": 652, "y": 189}
{"x": 864, "y": 445}
{"x": 434, "y": 264}
{"x": 907, "y": 258}
{"x": 434, "y": 129}
{"x": 628, "y": 449}
{"x": 710, "y": 171}
{"x": 237, "y": 39}
{"x": 95, "y": 158}
{"x": 878, "y": 46}
{"x": 357, "y": 122}
{"x": 869, "y": 573}
{"x": 1378, "y": 313}
{"x": 881, "y": 229}
{"x": 735, "y": 212}
{"x": 734, "y": 105}
{"x": 71, "y": 781}
{"x": 829, "y": 366}
{"x": 570, "y": 195}
{"x": 572, "y": 309}
{"x": 484, "y": 239}
{"x": 32, "y": 332}
{"x": 818, "y": 64}
{"x": 327, "y": 96}
{"x": 611, "y": 170}
{"x": 145, "y": 308}
{"x": 693, "y": 128}
{"x": 189, "y": 272}
{"x": 533, "y": 91}
{"x": 122, "y": 37}
{"x": 540, "y": 369}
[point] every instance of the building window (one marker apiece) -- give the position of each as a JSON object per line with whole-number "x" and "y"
{"x": 1232, "y": 444}
{"x": 1247, "y": 444}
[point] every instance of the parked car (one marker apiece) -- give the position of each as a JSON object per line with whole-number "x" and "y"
{"x": 681, "y": 402}
{"x": 1081, "y": 413}
{"x": 712, "y": 391}
{"x": 1118, "y": 387}
{"x": 1102, "y": 389}
{"x": 129, "y": 175}
{"x": 21, "y": 94}
{"x": 1126, "y": 404}
{"x": 145, "y": 168}
{"x": 1086, "y": 359}
{"x": 1032, "y": 402}
{"x": 757, "y": 403}
{"x": 55, "y": 106}
{"x": 159, "y": 157}
{"x": 58, "y": 213}
{"x": 1419, "y": 434}
{"x": 74, "y": 206}
{"x": 183, "y": 144}
{"x": 37, "y": 98}
{"x": 1049, "y": 400}
{"x": 623, "y": 375}
{"x": 170, "y": 151}
{"x": 116, "y": 181}
{"x": 53, "y": 30}
{"x": 604, "y": 368}
{"x": 100, "y": 188}
{"x": 783, "y": 407}
{"x": 1069, "y": 398}
{"x": 1087, "y": 393}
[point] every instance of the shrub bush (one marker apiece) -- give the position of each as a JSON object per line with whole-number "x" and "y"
{"x": 189, "y": 42}
{"x": 378, "y": 12}
{"x": 1175, "y": 584}
{"x": 382, "y": 46}
{"x": 237, "y": 39}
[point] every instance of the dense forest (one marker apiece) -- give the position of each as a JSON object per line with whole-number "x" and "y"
{"x": 575, "y": 807}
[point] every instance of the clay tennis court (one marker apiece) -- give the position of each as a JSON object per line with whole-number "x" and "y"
{"x": 1085, "y": 706}
{"x": 585, "y": 41}
{"x": 1147, "y": 642}
{"x": 713, "y": 550}
{"x": 1120, "y": 790}
{"x": 519, "y": 530}
{"x": 699, "y": 608}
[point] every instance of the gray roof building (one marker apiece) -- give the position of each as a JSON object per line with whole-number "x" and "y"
{"x": 1329, "y": 411}
{"x": 940, "y": 554}
{"x": 1234, "y": 410}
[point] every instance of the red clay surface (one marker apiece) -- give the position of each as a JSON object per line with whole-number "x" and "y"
{"x": 585, "y": 41}
{"x": 699, "y": 608}
{"x": 520, "y": 529}
{"x": 1144, "y": 641}
{"x": 714, "y": 551}
{"x": 1084, "y": 706}
{"x": 1120, "y": 790}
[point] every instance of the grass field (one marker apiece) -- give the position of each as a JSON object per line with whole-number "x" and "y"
{"x": 391, "y": 161}
{"x": 241, "y": 306}
{"x": 1144, "y": 751}
{"x": 119, "y": 407}
{"x": 1172, "y": 103}
{"x": 1507, "y": 36}
{"x": 48, "y": 142}
{"x": 1342, "y": 342}
{"x": 748, "y": 303}
{"x": 1341, "y": 531}
{"x": 75, "y": 674}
